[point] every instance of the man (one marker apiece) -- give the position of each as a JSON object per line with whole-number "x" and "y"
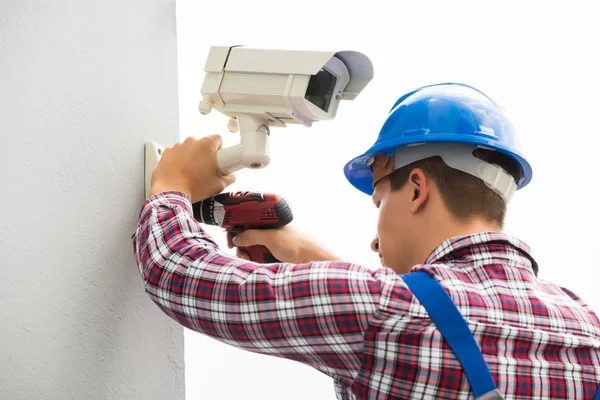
{"x": 457, "y": 310}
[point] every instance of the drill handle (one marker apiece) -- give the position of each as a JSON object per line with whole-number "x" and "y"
{"x": 260, "y": 254}
{"x": 257, "y": 253}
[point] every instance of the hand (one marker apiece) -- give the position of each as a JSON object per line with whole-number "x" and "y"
{"x": 191, "y": 167}
{"x": 287, "y": 244}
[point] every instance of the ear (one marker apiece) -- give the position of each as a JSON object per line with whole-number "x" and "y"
{"x": 418, "y": 189}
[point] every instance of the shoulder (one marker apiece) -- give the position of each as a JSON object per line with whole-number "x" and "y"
{"x": 466, "y": 286}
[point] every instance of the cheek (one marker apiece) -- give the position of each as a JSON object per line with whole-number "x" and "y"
{"x": 389, "y": 230}
{"x": 382, "y": 223}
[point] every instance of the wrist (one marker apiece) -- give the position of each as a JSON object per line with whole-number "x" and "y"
{"x": 162, "y": 188}
{"x": 316, "y": 253}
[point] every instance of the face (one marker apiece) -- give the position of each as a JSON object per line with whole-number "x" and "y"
{"x": 398, "y": 223}
{"x": 393, "y": 239}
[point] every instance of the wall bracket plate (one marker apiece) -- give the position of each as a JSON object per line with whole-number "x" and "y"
{"x": 152, "y": 154}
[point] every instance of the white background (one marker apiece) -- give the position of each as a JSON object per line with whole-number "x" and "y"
{"x": 539, "y": 60}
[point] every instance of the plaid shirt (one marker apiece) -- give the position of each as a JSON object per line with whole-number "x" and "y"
{"x": 363, "y": 327}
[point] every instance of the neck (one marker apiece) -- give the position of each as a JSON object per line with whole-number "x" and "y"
{"x": 443, "y": 230}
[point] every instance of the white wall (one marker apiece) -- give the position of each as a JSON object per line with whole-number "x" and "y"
{"x": 82, "y": 85}
{"x": 537, "y": 59}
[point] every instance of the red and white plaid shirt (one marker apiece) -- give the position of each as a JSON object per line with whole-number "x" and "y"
{"x": 364, "y": 327}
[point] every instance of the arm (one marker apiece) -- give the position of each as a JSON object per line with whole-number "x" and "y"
{"x": 315, "y": 313}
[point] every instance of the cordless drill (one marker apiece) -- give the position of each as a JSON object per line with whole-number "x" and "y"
{"x": 239, "y": 211}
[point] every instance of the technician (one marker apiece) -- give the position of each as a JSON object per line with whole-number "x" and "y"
{"x": 457, "y": 310}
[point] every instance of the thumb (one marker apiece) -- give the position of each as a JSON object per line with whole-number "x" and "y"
{"x": 251, "y": 237}
{"x": 229, "y": 179}
{"x": 216, "y": 141}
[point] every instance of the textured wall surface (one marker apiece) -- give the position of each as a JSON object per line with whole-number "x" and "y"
{"x": 82, "y": 85}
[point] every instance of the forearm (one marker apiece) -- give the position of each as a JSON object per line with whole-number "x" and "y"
{"x": 180, "y": 264}
{"x": 310, "y": 253}
{"x": 261, "y": 308}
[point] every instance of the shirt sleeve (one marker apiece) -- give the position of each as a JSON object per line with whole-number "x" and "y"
{"x": 314, "y": 313}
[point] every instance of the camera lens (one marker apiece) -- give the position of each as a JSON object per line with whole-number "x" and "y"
{"x": 320, "y": 89}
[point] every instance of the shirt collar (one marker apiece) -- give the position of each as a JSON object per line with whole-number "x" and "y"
{"x": 485, "y": 248}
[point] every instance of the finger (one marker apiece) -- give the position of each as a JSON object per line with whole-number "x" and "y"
{"x": 251, "y": 237}
{"x": 216, "y": 141}
{"x": 230, "y": 240}
{"x": 229, "y": 179}
{"x": 241, "y": 239}
{"x": 242, "y": 254}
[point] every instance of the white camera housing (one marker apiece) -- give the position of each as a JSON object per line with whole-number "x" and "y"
{"x": 262, "y": 88}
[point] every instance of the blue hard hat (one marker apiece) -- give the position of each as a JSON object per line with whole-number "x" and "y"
{"x": 441, "y": 113}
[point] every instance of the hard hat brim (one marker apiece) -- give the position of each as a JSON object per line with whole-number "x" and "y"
{"x": 359, "y": 173}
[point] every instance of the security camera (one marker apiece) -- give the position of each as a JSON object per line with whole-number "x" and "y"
{"x": 263, "y": 88}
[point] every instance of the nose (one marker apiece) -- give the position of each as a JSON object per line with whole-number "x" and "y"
{"x": 375, "y": 244}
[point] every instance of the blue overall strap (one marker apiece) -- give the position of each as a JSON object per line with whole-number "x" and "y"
{"x": 455, "y": 331}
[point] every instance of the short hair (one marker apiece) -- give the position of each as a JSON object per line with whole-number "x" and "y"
{"x": 465, "y": 195}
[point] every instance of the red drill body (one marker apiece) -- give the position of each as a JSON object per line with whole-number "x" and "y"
{"x": 237, "y": 211}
